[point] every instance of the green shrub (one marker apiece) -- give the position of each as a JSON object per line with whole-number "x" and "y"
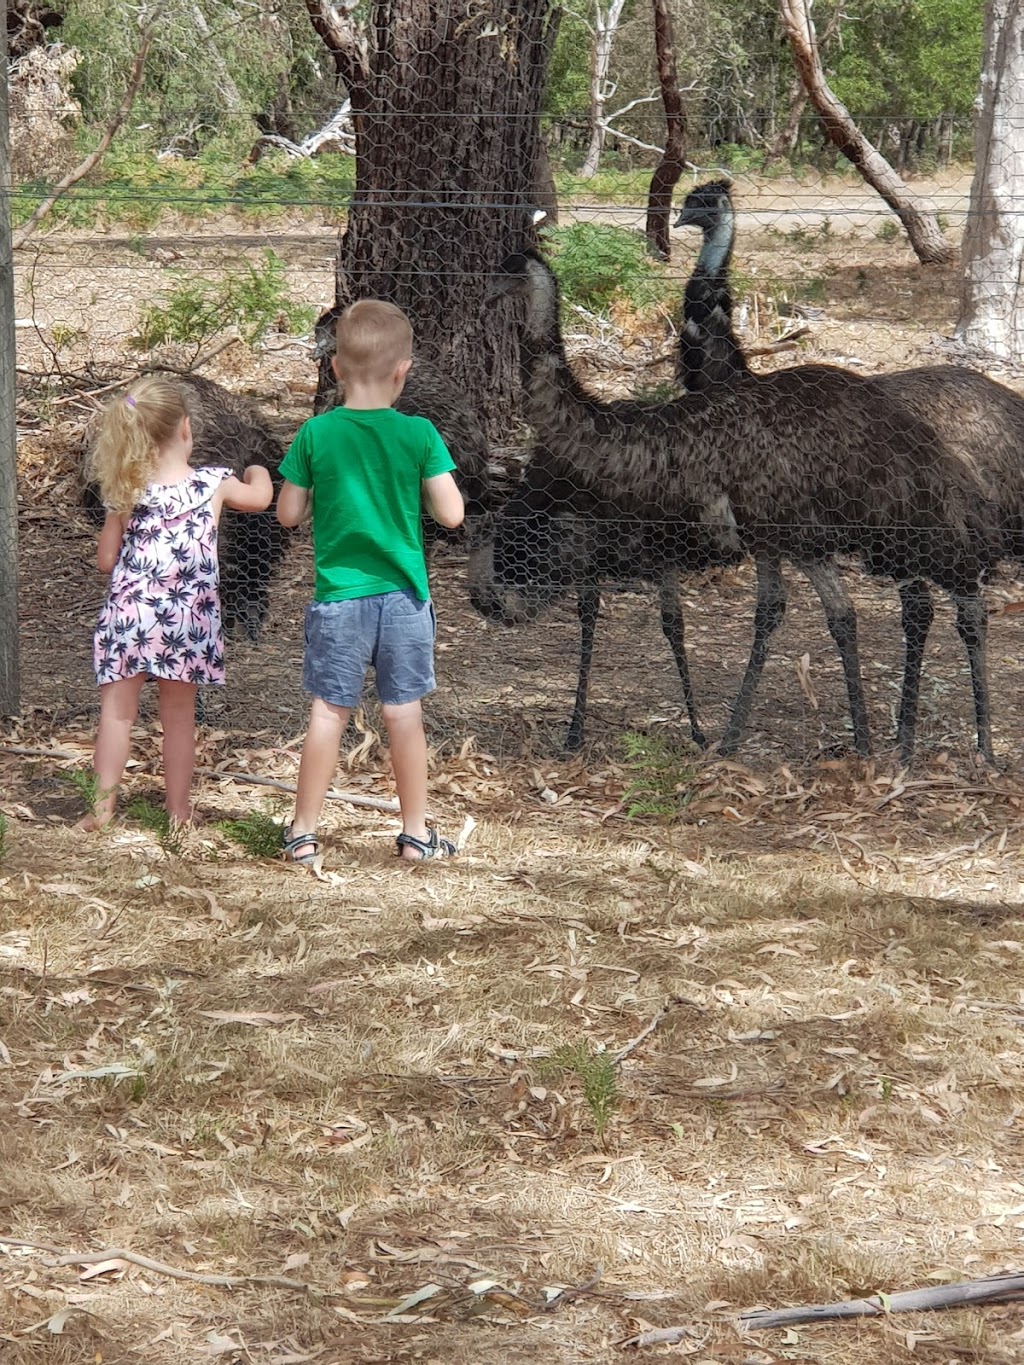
{"x": 4, "y": 847}
{"x": 598, "y": 265}
{"x": 259, "y": 833}
{"x": 598, "y": 1080}
{"x": 660, "y": 776}
{"x": 251, "y": 298}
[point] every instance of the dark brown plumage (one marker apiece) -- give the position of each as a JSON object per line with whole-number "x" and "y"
{"x": 981, "y": 422}
{"x": 798, "y": 465}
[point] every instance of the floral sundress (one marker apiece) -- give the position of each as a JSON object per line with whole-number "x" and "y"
{"x": 162, "y": 613}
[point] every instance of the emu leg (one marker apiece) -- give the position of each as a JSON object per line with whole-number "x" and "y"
{"x": 673, "y": 626}
{"x": 972, "y": 624}
{"x": 917, "y": 615}
{"x": 588, "y": 600}
{"x": 771, "y": 608}
{"x": 842, "y": 625}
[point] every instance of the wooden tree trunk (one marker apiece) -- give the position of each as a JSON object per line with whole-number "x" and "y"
{"x": 447, "y": 151}
{"x": 992, "y": 303}
{"x": 922, "y": 228}
{"x": 606, "y": 23}
{"x": 673, "y": 162}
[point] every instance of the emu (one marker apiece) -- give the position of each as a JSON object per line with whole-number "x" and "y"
{"x": 981, "y": 421}
{"x": 552, "y": 536}
{"x": 429, "y": 393}
{"x": 230, "y": 430}
{"x": 744, "y": 462}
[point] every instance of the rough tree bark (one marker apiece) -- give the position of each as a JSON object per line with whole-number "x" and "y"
{"x": 606, "y": 23}
{"x": 447, "y": 149}
{"x": 922, "y": 228}
{"x": 992, "y": 302}
{"x": 673, "y": 162}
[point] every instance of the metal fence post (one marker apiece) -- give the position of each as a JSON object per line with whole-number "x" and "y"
{"x": 10, "y": 692}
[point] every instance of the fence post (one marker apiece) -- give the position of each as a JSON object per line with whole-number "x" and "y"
{"x": 10, "y": 690}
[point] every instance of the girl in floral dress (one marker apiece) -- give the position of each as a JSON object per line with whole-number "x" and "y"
{"x": 161, "y": 618}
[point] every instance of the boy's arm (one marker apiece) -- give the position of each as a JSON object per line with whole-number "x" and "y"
{"x": 444, "y": 501}
{"x": 292, "y": 504}
{"x": 110, "y": 542}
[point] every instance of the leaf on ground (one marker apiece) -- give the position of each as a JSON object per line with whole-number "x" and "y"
{"x": 114, "y": 1267}
{"x": 256, "y": 1019}
{"x": 414, "y": 1300}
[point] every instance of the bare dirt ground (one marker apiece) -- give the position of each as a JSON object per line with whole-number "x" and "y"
{"x": 424, "y": 1102}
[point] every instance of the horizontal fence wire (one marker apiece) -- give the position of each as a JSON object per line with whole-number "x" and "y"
{"x": 744, "y": 480}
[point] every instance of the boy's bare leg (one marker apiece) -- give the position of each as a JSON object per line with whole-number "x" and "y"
{"x": 409, "y": 760}
{"x": 119, "y": 705}
{"x": 177, "y": 706}
{"x": 316, "y": 768}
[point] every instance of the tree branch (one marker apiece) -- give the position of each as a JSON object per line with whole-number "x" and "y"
{"x": 84, "y": 167}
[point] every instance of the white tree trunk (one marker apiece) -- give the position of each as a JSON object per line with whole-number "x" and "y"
{"x": 992, "y": 303}
{"x": 922, "y": 227}
{"x": 606, "y": 22}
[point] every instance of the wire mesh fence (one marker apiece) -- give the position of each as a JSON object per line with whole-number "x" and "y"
{"x": 741, "y": 481}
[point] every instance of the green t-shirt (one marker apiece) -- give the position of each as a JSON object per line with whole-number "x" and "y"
{"x": 365, "y": 467}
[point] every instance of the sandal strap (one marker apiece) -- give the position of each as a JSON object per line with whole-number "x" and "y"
{"x": 431, "y": 847}
{"x": 290, "y": 842}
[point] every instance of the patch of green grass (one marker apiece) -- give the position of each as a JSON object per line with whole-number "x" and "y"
{"x": 4, "y": 846}
{"x": 259, "y": 833}
{"x": 660, "y": 777}
{"x": 888, "y": 230}
{"x": 86, "y": 785}
{"x": 136, "y": 190}
{"x": 251, "y": 298}
{"x": 151, "y": 817}
{"x": 598, "y": 265}
{"x": 598, "y": 1080}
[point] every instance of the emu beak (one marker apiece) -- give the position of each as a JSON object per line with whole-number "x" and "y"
{"x": 687, "y": 218}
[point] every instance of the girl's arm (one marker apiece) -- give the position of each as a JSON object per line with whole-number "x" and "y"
{"x": 444, "y": 501}
{"x": 110, "y": 542}
{"x": 253, "y": 492}
{"x": 292, "y": 504}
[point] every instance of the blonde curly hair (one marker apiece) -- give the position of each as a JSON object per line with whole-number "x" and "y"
{"x": 135, "y": 425}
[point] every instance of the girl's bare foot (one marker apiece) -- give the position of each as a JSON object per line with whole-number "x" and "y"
{"x": 90, "y": 824}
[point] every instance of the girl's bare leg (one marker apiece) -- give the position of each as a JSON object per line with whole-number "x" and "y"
{"x": 408, "y": 745}
{"x": 119, "y": 705}
{"x": 177, "y": 705}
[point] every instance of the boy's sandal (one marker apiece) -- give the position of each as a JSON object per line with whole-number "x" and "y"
{"x": 290, "y": 842}
{"x": 431, "y": 847}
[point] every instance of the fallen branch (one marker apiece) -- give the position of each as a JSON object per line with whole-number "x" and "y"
{"x": 992, "y": 1289}
{"x": 648, "y": 1029}
{"x": 83, "y": 168}
{"x": 162, "y": 1268}
{"x": 372, "y": 802}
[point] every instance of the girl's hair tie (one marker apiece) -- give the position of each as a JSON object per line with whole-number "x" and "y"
{"x": 130, "y": 400}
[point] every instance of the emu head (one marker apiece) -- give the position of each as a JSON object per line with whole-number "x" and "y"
{"x": 706, "y": 205}
{"x": 539, "y": 546}
{"x": 526, "y": 274}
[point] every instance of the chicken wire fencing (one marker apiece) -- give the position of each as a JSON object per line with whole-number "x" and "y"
{"x": 753, "y": 496}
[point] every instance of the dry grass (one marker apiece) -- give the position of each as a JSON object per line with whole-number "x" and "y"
{"x": 238, "y": 1068}
{"x": 376, "y": 1081}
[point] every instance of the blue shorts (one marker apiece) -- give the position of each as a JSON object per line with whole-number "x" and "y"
{"x": 393, "y": 631}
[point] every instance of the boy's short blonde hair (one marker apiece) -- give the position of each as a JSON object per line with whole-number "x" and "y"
{"x": 373, "y": 338}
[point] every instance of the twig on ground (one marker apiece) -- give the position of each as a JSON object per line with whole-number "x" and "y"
{"x": 992, "y": 1289}
{"x": 649, "y": 1028}
{"x": 161, "y": 1267}
{"x": 352, "y": 798}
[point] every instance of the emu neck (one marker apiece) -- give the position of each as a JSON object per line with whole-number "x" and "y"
{"x": 716, "y": 250}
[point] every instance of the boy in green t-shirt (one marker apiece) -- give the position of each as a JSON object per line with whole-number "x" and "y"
{"x": 368, "y": 471}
